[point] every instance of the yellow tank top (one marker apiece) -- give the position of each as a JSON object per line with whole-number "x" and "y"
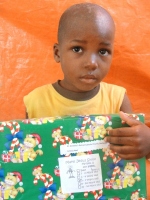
{"x": 45, "y": 101}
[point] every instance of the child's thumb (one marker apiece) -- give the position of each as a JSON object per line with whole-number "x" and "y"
{"x": 128, "y": 119}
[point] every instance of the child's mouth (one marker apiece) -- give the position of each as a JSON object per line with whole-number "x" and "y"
{"x": 88, "y": 78}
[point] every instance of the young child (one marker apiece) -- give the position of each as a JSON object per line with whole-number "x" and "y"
{"x": 85, "y": 48}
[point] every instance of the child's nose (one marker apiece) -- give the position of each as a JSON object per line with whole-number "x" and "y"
{"x": 91, "y": 61}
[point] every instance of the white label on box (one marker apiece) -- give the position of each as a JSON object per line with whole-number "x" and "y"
{"x": 83, "y": 147}
{"x": 80, "y": 173}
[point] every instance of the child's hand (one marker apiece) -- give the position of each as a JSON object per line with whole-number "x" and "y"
{"x": 130, "y": 142}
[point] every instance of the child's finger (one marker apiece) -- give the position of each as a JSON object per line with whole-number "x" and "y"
{"x": 122, "y": 132}
{"x": 121, "y": 149}
{"x": 121, "y": 140}
{"x": 127, "y": 152}
{"x": 130, "y": 156}
{"x": 129, "y": 120}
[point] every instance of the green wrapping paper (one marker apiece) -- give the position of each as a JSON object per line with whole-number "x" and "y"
{"x": 67, "y": 158}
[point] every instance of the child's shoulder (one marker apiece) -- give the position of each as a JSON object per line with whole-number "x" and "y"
{"x": 41, "y": 89}
{"x": 39, "y": 92}
{"x": 109, "y": 86}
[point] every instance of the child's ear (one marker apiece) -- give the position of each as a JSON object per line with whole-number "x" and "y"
{"x": 56, "y": 52}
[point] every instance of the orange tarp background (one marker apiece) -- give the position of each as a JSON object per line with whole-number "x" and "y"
{"x": 27, "y": 33}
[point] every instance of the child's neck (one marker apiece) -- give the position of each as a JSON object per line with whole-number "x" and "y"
{"x": 77, "y": 96}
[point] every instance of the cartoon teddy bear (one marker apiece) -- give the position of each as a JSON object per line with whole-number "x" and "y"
{"x": 97, "y": 126}
{"x": 136, "y": 196}
{"x": 128, "y": 173}
{"x": 60, "y": 195}
{"x": 9, "y": 183}
{"x": 59, "y": 138}
{"x": 29, "y": 143}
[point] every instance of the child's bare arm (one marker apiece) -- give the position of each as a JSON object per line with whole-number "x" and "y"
{"x": 130, "y": 142}
{"x": 126, "y": 105}
{"x": 26, "y": 115}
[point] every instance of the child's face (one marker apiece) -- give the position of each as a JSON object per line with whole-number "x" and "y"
{"x": 85, "y": 54}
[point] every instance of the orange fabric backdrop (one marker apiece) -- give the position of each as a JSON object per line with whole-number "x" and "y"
{"x": 28, "y": 31}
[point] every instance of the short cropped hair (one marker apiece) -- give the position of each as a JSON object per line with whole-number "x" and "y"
{"x": 78, "y": 11}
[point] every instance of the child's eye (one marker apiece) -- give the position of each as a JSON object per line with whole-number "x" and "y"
{"x": 104, "y": 52}
{"x": 77, "y": 49}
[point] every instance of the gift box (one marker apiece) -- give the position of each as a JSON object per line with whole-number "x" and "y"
{"x": 66, "y": 158}
{"x": 6, "y": 157}
{"x": 108, "y": 184}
